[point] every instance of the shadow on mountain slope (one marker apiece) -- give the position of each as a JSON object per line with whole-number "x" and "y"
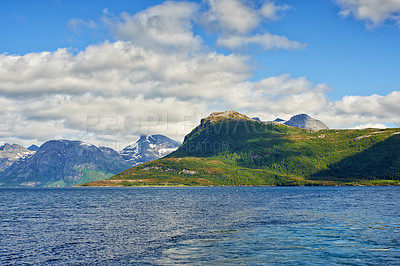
{"x": 230, "y": 136}
{"x": 381, "y": 161}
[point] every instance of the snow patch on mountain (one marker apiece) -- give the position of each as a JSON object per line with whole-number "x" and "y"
{"x": 148, "y": 148}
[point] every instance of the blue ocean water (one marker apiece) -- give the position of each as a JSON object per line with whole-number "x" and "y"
{"x": 212, "y": 226}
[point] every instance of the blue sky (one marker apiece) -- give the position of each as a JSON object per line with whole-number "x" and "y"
{"x": 335, "y": 59}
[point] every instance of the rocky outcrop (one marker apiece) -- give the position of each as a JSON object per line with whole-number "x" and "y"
{"x": 217, "y": 116}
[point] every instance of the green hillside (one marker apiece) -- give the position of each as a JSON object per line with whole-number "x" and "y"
{"x": 233, "y": 150}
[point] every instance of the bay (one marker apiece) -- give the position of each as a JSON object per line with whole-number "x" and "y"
{"x": 200, "y": 225}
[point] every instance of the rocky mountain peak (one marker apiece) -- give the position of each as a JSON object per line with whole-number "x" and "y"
{"x": 306, "y": 121}
{"x": 279, "y": 120}
{"x": 218, "y": 116}
{"x": 13, "y": 151}
{"x": 33, "y": 148}
{"x": 148, "y": 148}
{"x": 9, "y": 153}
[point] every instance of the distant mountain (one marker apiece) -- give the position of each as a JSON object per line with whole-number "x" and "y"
{"x": 63, "y": 163}
{"x": 67, "y": 163}
{"x": 300, "y": 121}
{"x": 33, "y": 148}
{"x": 279, "y": 120}
{"x": 306, "y": 121}
{"x": 148, "y": 148}
{"x": 9, "y": 153}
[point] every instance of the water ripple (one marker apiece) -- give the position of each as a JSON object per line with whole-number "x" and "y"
{"x": 213, "y": 226}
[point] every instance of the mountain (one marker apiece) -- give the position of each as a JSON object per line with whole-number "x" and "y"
{"x": 149, "y": 148}
{"x": 67, "y": 163}
{"x": 230, "y": 149}
{"x": 305, "y": 121}
{"x": 279, "y": 120}
{"x": 33, "y": 148}
{"x": 64, "y": 163}
{"x": 9, "y": 153}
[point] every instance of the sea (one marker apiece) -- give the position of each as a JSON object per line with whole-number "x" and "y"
{"x": 200, "y": 226}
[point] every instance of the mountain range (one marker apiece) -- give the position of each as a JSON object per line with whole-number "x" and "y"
{"x": 231, "y": 149}
{"x": 68, "y": 163}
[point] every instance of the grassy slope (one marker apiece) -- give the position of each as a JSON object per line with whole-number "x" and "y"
{"x": 86, "y": 176}
{"x": 243, "y": 152}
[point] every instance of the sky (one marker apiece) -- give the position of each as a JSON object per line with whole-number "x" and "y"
{"x": 106, "y": 72}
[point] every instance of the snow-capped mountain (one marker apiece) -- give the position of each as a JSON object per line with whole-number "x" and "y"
{"x": 148, "y": 148}
{"x": 9, "y": 153}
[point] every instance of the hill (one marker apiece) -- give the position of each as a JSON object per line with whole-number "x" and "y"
{"x": 232, "y": 149}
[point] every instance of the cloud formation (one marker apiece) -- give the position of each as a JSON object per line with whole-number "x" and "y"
{"x": 271, "y": 11}
{"x": 374, "y": 12}
{"x": 230, "y": 16}
{"x": 76, "y": 25}
{"x": 165, "y": 26}
{"x": 237, "y": 24}
{"x": 266, "y": 41}
{"x": 120, "y": 80}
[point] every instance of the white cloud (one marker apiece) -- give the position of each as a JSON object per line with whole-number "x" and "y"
{"x": 266, "y": 41}
{"x": 76, "y": 25}
{"x": 370, "y": 105}
{"x": 370, "y": 125}
{"x": 165, "y": 26}
{"x": 282, "y": 96}
{"x": 237, "y": 24}
{"x": 374, "y": 12}
{"x": 271, "y": 11}
{"x": 352, "y": 111}
{"x": 230, "y": 16}
{"x": 112, "y": 69}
